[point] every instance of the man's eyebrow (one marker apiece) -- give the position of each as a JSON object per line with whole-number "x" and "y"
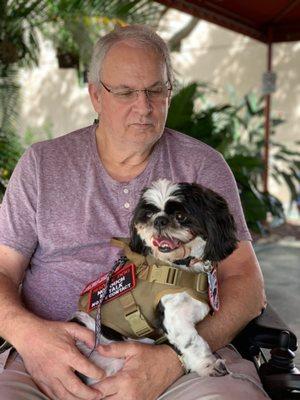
{"x": 156, "y": 83}
{"x": 123, "y": 86}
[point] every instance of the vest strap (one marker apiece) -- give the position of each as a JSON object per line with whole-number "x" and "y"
{"x": 134, "y": 317}
{"x": 168, "y": 275}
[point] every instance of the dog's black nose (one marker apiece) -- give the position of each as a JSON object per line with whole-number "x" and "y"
{"x": 161, "y": 222}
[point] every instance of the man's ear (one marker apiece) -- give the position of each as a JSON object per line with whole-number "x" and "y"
{"x": 95, "y": 97}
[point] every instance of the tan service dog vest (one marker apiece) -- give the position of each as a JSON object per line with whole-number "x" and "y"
{"x": 133, "y": 314}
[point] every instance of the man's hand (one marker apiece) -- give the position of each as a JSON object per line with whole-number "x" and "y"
{"x": 48, "y": 348}
{"x": 51, "y": 358}
{"x": 148, "y": 371}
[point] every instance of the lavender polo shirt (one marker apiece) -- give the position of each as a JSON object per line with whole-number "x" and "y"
{"x": 61, "y": 208}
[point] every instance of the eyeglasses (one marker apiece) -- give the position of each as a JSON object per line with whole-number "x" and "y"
{"x": 156, "y": 93}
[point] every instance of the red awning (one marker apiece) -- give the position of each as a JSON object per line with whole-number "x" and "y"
{"x": 264, "y": 20}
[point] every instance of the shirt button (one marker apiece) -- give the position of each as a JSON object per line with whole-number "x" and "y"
{"x": 126, "y": 191}
{"x": 126, "y": 205}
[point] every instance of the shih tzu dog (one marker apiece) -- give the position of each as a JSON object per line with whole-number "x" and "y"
{"x": 191, "y": 228}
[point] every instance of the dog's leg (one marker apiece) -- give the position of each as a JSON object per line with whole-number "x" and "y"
{"x": 180, "y": 315}
{"x": 110, "y": 365}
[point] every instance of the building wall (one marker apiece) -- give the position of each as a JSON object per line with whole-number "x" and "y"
{"x": 52, "y": 99}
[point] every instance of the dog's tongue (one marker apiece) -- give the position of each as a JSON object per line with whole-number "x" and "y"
{"x": 160, "y": 241}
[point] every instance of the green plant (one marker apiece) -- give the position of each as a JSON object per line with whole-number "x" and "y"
{"x": 75, "y": 25}
{"x": 18, "y": 48}
{"x": 33, "y": 135}
{"x": 18, "y": 35}
{"x": 284, "y": 163}
{"x": 237, "y": 131}
{"x": 10, "y": 146}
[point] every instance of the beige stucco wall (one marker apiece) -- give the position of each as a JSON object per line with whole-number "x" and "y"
{"x": 52, "y": 96}
{"x": 223, "y": 58}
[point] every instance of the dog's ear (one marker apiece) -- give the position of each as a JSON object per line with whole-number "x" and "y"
{"x": 136, "y": 244}
{"x": 221, "y": 233}
{"x": 215, "y": 221}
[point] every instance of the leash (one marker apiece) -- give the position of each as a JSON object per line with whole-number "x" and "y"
{"x": 98, "y": 326}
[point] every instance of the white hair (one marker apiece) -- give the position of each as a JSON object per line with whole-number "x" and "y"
{"x": 160, "y": 192}
{"x": 140, "y": 34}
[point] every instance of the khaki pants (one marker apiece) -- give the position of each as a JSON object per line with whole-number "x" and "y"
{"x": 241, "y": 383}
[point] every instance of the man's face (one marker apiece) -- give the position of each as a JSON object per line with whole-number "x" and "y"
{"x": 138, "y": 121}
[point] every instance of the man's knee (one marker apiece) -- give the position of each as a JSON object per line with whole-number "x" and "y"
{"x": 191, "y": 387}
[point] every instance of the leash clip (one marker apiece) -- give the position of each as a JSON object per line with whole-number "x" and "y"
{"x": 207, "y": 266}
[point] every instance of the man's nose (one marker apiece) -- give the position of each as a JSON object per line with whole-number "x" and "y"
{"x": 142, "y": 102}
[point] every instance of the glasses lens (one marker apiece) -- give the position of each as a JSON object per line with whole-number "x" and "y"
{"x": 158, "y": 93}
{"x": 125, "y": 95}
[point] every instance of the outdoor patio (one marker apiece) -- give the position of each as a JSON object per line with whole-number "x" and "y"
{"x": 279, "y": 260}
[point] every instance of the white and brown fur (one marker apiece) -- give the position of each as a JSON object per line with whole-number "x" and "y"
{"x": 183, "y": 225}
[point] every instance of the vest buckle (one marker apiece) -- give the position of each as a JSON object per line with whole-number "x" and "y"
{"x": 163, "y": 274}
{"x": 201, "y": 282}
{"x": 138, "y": 323}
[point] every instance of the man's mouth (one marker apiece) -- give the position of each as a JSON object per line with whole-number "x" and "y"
{"x": 145, "y": 125}
{"x": 164, "y": 244}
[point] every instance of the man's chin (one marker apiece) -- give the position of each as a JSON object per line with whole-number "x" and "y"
{"x": 143, "y": 136}
{"x": 143, "y": 128}
{"x": 145, "y": 125}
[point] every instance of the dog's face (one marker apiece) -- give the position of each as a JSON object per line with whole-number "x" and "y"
{"x": 182, "y": 221}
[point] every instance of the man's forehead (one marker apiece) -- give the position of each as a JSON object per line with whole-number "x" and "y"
{"x": 131, "y": 45}
{"x": 131, "y": 59}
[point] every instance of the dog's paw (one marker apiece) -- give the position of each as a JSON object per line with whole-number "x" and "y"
{"x": 220, "y": 368}
{"x": 212, "y": 367}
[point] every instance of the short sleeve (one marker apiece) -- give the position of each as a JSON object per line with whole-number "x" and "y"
{"x": 217, "y": 176}
{"x": 18, "y": 209}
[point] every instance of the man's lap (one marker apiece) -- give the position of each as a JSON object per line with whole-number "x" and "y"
{"x": 242, "y": 382}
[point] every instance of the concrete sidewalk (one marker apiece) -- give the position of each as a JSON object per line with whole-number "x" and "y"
{"x": 280, "y": 263}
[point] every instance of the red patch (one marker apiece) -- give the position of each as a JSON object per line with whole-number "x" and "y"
{"x": 122, "y": 281}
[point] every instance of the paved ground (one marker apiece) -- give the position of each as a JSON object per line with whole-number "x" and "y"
{"x": 280, "y": 263}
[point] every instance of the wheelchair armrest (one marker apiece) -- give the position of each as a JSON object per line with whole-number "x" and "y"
{"x": 263, "y": 332}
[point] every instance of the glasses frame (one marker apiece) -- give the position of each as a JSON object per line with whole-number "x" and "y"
{"x": 146, "y": 90}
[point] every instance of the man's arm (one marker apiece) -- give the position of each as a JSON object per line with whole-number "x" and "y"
{"x": 242, "y": 297}
{"x": 47, "y": 348}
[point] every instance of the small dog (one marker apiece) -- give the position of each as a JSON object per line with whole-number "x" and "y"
{"x": 188, "y": 227}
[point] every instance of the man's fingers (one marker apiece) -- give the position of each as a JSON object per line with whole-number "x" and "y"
{"x": 79, "y": 332}
{"x": 118, "y": 349}
{"x": 74, "y": 391}
{"x": 108, "y": 387}
{"x": 86, "y": 367}
{"x": 46, "y": 390}
{"x": 78, "y": 389}
{"x": 57, "y": 392}
{"x": 115, "y": 397}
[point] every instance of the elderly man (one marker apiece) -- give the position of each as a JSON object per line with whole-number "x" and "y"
{"x": 69, "y": 196}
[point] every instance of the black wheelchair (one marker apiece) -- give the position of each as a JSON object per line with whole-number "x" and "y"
{"x": 270, "y": 344}
{"x": 280, "y": 377}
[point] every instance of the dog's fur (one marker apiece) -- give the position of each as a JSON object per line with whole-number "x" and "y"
{"x": 183, "y": 225}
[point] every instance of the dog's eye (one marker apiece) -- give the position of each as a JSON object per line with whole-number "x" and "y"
{"x": 180, "y": 217}
{"x": 148, "y": 214}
